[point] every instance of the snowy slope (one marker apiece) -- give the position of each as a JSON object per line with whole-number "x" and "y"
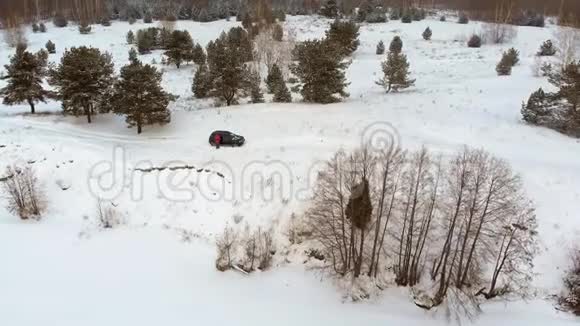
{"x": 64, "y": 271}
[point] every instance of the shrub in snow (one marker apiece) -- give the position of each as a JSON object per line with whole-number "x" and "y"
{"x": 201, "y": 82}
{"x": 147, "y": 19}
{"x": 24, "y": 193}
{"x": 42, "y": 28}
{"x": 513, "y": 56}
{"x": 199, "y": 56}
{"x": 245, "y": 250}
{"x": 132, "y": 20}
{"x": 84, "y": 28}
{"x": 380, "y": 48}
{"x": 396, "y": 45}
{"x": 35, "y": 28}
{"x": 107, "y": 216}
{"x": 130, "y": 37}
{"x": 442, "y": 18}
{"x": 427, "y": 34}
{"x": 504, "y": 67}
{"x": 407, "y": 18}
{"x": 463, "y": 19}
{"x": 396, "y": 13}
{"x": 50, "y": 47}
{"x": 497, "y": 33}
{"x": 547, "y": 49}
{"x": 282, "y": 94}
{"x": 105, "y": 21}
{"x": 330, "y": 9}
{"x": 60, "y": 20}
{"x": 474, "y": 41}
{"x": 570, "y": 300}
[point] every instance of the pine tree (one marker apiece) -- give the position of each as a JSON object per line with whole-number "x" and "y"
{"x": 396, "y": 45}
{"x": 344, "y": 34}
{"x": 380, "y": 48}
{"x": 199, "y": 56}
{"x": 568, "y": 82}
{"x": 42, "y": 28}
{"x": 138, "y": 96}
{"x": 278, "y": 32}
{"x": 330, "y": 9}
{"x": 179, "y": 48}
{"x": 536, "y": 109}
{"x": 321, "y": 71}
{"x": 474, "y": 41}
{"x": 239, "y": 40}
{"x": 396, "y": 73}
{"x": 274, "y": 78}
{"x": 282, "y": 94}
{"x": 255, "y": 91}
{"x": 83, "y": 80}
{"x": 130, "y": 37}
{"x": 227, "y": 72}
{"x": 133, "y": 56}
{"x": 547, "y": 49}
{"x": 25, "y": 74}
{"x": 35, "y": 28}
{"x": 201, "y": 82}
{"x": 50, "y": 47}
{"x": 427, "y": 34}
{"x": 513, "y": 56}
{"x": 504, "y": 67}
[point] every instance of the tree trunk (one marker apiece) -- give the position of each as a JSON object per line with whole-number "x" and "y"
{"x": 88, "y": 111}
{"x": 31, "y": 103}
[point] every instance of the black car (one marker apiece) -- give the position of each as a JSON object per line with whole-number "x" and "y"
{"x": 227, "y": 138}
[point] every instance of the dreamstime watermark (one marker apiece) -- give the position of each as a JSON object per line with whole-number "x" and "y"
{"x": 217, "y": 180}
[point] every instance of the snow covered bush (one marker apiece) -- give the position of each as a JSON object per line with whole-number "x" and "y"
{"x": 463, "y": 19}
{"x": 570, "y": 300}
{"x": 84, "y": 28}
{"x": 107, "y": 216}
{"x": 547, "y": 49}
{"x": 245, "y": 250}
{"x": 427, "y": 34}
{"x": 474, "y": 41}
{"x": 380, "y": 48}
{"x": 50, "y": 47}
{"x": 24, "y": 193}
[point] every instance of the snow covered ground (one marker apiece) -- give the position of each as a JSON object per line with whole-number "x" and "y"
{"x": 159, "y": 267}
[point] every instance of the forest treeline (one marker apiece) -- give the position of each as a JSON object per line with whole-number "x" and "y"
{"x": 20, "y": 11}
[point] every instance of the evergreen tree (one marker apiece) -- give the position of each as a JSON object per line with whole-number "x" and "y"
{"x": 145, "y": 40}
{"x": 568, "y": 82}
{"x": 512, "y": 56}
{"x": 60, "y": 20}
{"x": 147, "y": 19}
{"x": 406, "y": 18}
{"x": 180, "y": 48}
{"x": 199, "y": 56}
{"x": 201, "y": 82}
{"x": 138, "y": 96}
{"x": 239, "y": 40}
{"x": 396, "y": 73}
{"x": 133, "y": 56}
{"x": 130, "y": 37}
{"x": 282, "y": 94}
{"x": 278, "y": 32}
{"x": 344, "y": 34}
{"x": 427, "y": 34}
{"x": 42, "y": 28}
{"x": 274, "y": 78}
{"x": 474, "y": 41}
{"x": 83, "y": 80}
{"x": 321, "y": 71}
{"x": 547, "y": 49}
{"x": 396, "y": 45}
{"x": 463, "y": 19}
{"x": 35, "y": 28}
{"x": 330, "y": 9}
{"x": 536, "y": 109}
{"x": 381, "y": 48}
{"x": 504, "y": 67}
{"x": 255, "y": 91}
{"x": 50, "y": 47}
{"x": 25, "y": 74}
